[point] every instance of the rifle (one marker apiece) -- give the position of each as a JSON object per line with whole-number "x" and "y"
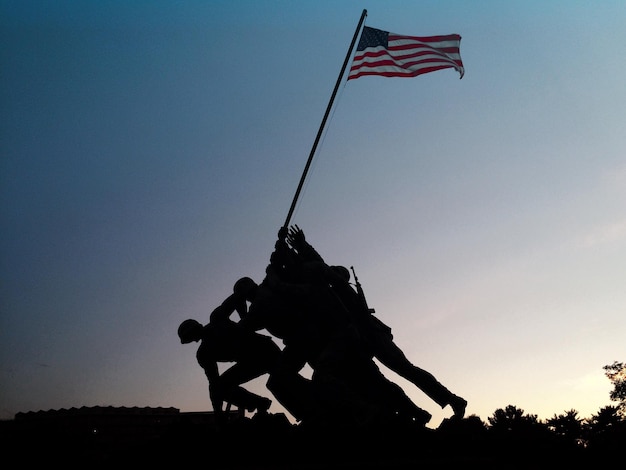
{"x": 359, "y": 291}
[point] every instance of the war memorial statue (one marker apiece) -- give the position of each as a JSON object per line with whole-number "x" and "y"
{"x": 323, "y": 322}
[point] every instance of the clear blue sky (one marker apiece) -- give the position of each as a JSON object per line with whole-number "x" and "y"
{"x": 150, "y": 151}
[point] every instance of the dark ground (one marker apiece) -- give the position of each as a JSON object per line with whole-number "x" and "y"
{"x": 271, "y": 442}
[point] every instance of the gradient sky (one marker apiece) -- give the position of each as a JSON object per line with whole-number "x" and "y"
{"x": 150, "y": 151}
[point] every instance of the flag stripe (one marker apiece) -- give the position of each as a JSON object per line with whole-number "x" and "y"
{"x": 394, "y": 55}
{"x": 403, "y": 60}
{"x": 395, "y": 72}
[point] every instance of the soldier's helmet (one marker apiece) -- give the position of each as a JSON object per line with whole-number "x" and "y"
{"x": 243, "y": 287}
{"x": 188, "y": 331}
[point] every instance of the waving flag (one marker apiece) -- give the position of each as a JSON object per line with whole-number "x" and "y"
{"x": 392, "y": 55}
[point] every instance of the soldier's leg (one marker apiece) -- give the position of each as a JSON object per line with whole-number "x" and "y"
{"x": 291, "y": 389}
{"x": 391, "y": 356}
{"x": 233, "y": 392}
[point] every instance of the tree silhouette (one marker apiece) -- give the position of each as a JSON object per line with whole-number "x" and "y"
{"x": 511, "y": 419}
{"x": 616, "y": 373}
{"x": 606, "y": 433}
{"x": 568, "y": 426}
{"x": 605, "y": 421}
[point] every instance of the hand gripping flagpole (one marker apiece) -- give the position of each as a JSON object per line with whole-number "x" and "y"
{"x": 323, "y": 124}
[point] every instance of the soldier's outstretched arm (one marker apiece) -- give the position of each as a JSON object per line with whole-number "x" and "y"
{"x": 232, "y": 303}
{"x": 297, "y": 241}
{"x": 295, "y": 237}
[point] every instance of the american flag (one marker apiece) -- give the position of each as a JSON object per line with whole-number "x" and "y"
{"x": 392, "y": 55}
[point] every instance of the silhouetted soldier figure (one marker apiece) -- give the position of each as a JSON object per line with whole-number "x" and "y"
{"x": 302, "y": 342}
{"x": 377, "y": 337}
{"x": 299, "y": 314}
{"x": 255, "y": 355}
{"x": 222, "y": 340}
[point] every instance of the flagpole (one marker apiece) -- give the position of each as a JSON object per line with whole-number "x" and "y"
{"x": 323, "y": 124}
